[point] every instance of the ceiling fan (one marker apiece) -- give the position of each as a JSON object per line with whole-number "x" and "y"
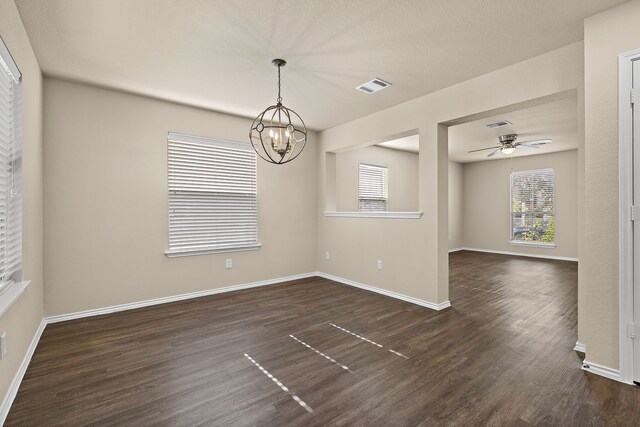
{"x": 508, "y": 144}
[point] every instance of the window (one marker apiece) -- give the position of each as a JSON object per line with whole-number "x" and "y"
{"x": 212, "y": 196}
{"x": 372, "y": 187}
{"x": 532, "y": 206}
{"x": 10, "y": 171}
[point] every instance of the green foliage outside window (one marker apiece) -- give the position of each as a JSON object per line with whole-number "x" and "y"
{"x": 532, "y": 205}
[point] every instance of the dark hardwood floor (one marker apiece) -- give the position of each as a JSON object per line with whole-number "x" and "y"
{"x": 502, "y": 355}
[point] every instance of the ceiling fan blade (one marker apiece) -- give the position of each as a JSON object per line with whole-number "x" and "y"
{"x": 495, "y": 152}
{"x": 488, "y": 148}
{"x": 535, "y": 142}
{"x": 527, "y": 146}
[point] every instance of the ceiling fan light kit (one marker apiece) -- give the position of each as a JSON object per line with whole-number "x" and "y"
{"x": 507, "y": 142}
{"x": 508, "y": 145}
{"x": 278, "y": 135}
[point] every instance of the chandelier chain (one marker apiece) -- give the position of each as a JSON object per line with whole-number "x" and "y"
{"x": 279, "y": 97}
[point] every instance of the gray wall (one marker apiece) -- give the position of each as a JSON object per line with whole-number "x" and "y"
{"x": 106, "y": 202}
{"x": 402, "y": 170}
{"x": 21, "y": 321}
{"x": 486, "y": 202}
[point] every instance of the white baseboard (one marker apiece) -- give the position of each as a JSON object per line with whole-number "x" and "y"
{"x": 431, "y": 305}
{"x": 579, "y": 347}
{"x": 603, "y": 371}
{"x": 17, "y": 379}
{"x": 173, "y": 298}
{"x": 456, "y": 250}
{"x": 491, "y": 251}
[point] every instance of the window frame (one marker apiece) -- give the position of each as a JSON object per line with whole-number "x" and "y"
{"x": 177, "y": 250}
{"x": 385, "y": 198}
{"x": 512, "y": 240}
{"x": 15, "y": 284}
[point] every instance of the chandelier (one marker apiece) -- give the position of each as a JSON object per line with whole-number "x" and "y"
{"x": 278, "y": 134}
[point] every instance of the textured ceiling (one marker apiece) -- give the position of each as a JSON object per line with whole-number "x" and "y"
{"x": 556, "y": 120}
{"x": 217, "y": 54}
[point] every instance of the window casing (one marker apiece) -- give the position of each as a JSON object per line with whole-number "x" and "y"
{"x": 10, "y": 171}
{"x": 212, "y": 196}
{"x": 372, "y": 187}
{"x": 532, "y": 206}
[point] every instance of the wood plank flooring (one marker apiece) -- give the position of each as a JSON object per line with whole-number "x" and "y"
{"x": 500, "y": 356}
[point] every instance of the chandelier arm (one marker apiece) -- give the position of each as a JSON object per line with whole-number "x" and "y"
{"x": 286, "y": 113}
{"x": 265, "y": 151}
{"x": 303, "y": 132}
{"x": 269, "y": 159}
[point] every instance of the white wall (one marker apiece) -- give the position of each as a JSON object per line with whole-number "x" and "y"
{"x": 403, "y": 177}
{"x": 21, "y": 321}
{"x": 106, "y": 202}
{"x": 456, "y": 206}
{"x": 487, "y": 219}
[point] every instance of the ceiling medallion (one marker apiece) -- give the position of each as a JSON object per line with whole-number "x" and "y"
{"x": 278, "y": 134}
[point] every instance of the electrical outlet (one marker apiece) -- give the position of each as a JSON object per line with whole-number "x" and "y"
{"x": 3, "y": 345}
{"x": 327, "y": 255}
{"x": 228, "y": 263}
{"x": 379, "y": 264}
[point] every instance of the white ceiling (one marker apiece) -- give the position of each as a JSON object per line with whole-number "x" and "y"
{"x": 217, "y": 54}
{"x": 557, "y": 120}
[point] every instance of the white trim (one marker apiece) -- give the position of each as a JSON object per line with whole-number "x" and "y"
{"x": 17, "y": 379}
{"x": 12, "y": 294}
{"x": 238, "y": 248}
{"x": 491, "y": 251}
{"x": 603, "y": 371}
{"x": 423, "y": 303}
{"x": 8, "y": 63}
{"x": 532, "y": 244}
{"x": 173, "y": 298}
{"x": 625, "y": 200}
{"x": 456, "y": 250}
{"x": 579, "y": 347}
{"x": 373, "y": 214}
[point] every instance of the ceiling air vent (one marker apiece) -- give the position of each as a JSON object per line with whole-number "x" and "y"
{"x": 499, "y": 124}
{"x": 373, "y": 86}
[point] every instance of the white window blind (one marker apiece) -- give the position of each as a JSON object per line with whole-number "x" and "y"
{"x": 10, "y": 171}
{"x": 212, "y": 195}
{"x": 532, "y": 206}
{"x": 372, "y": 187}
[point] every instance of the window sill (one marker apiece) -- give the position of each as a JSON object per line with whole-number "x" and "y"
{"x": 193, "y": 252}
{"x": 12, "y": 294}
{"x": 400, "y": 215}
{"x": 532, "y": 244}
